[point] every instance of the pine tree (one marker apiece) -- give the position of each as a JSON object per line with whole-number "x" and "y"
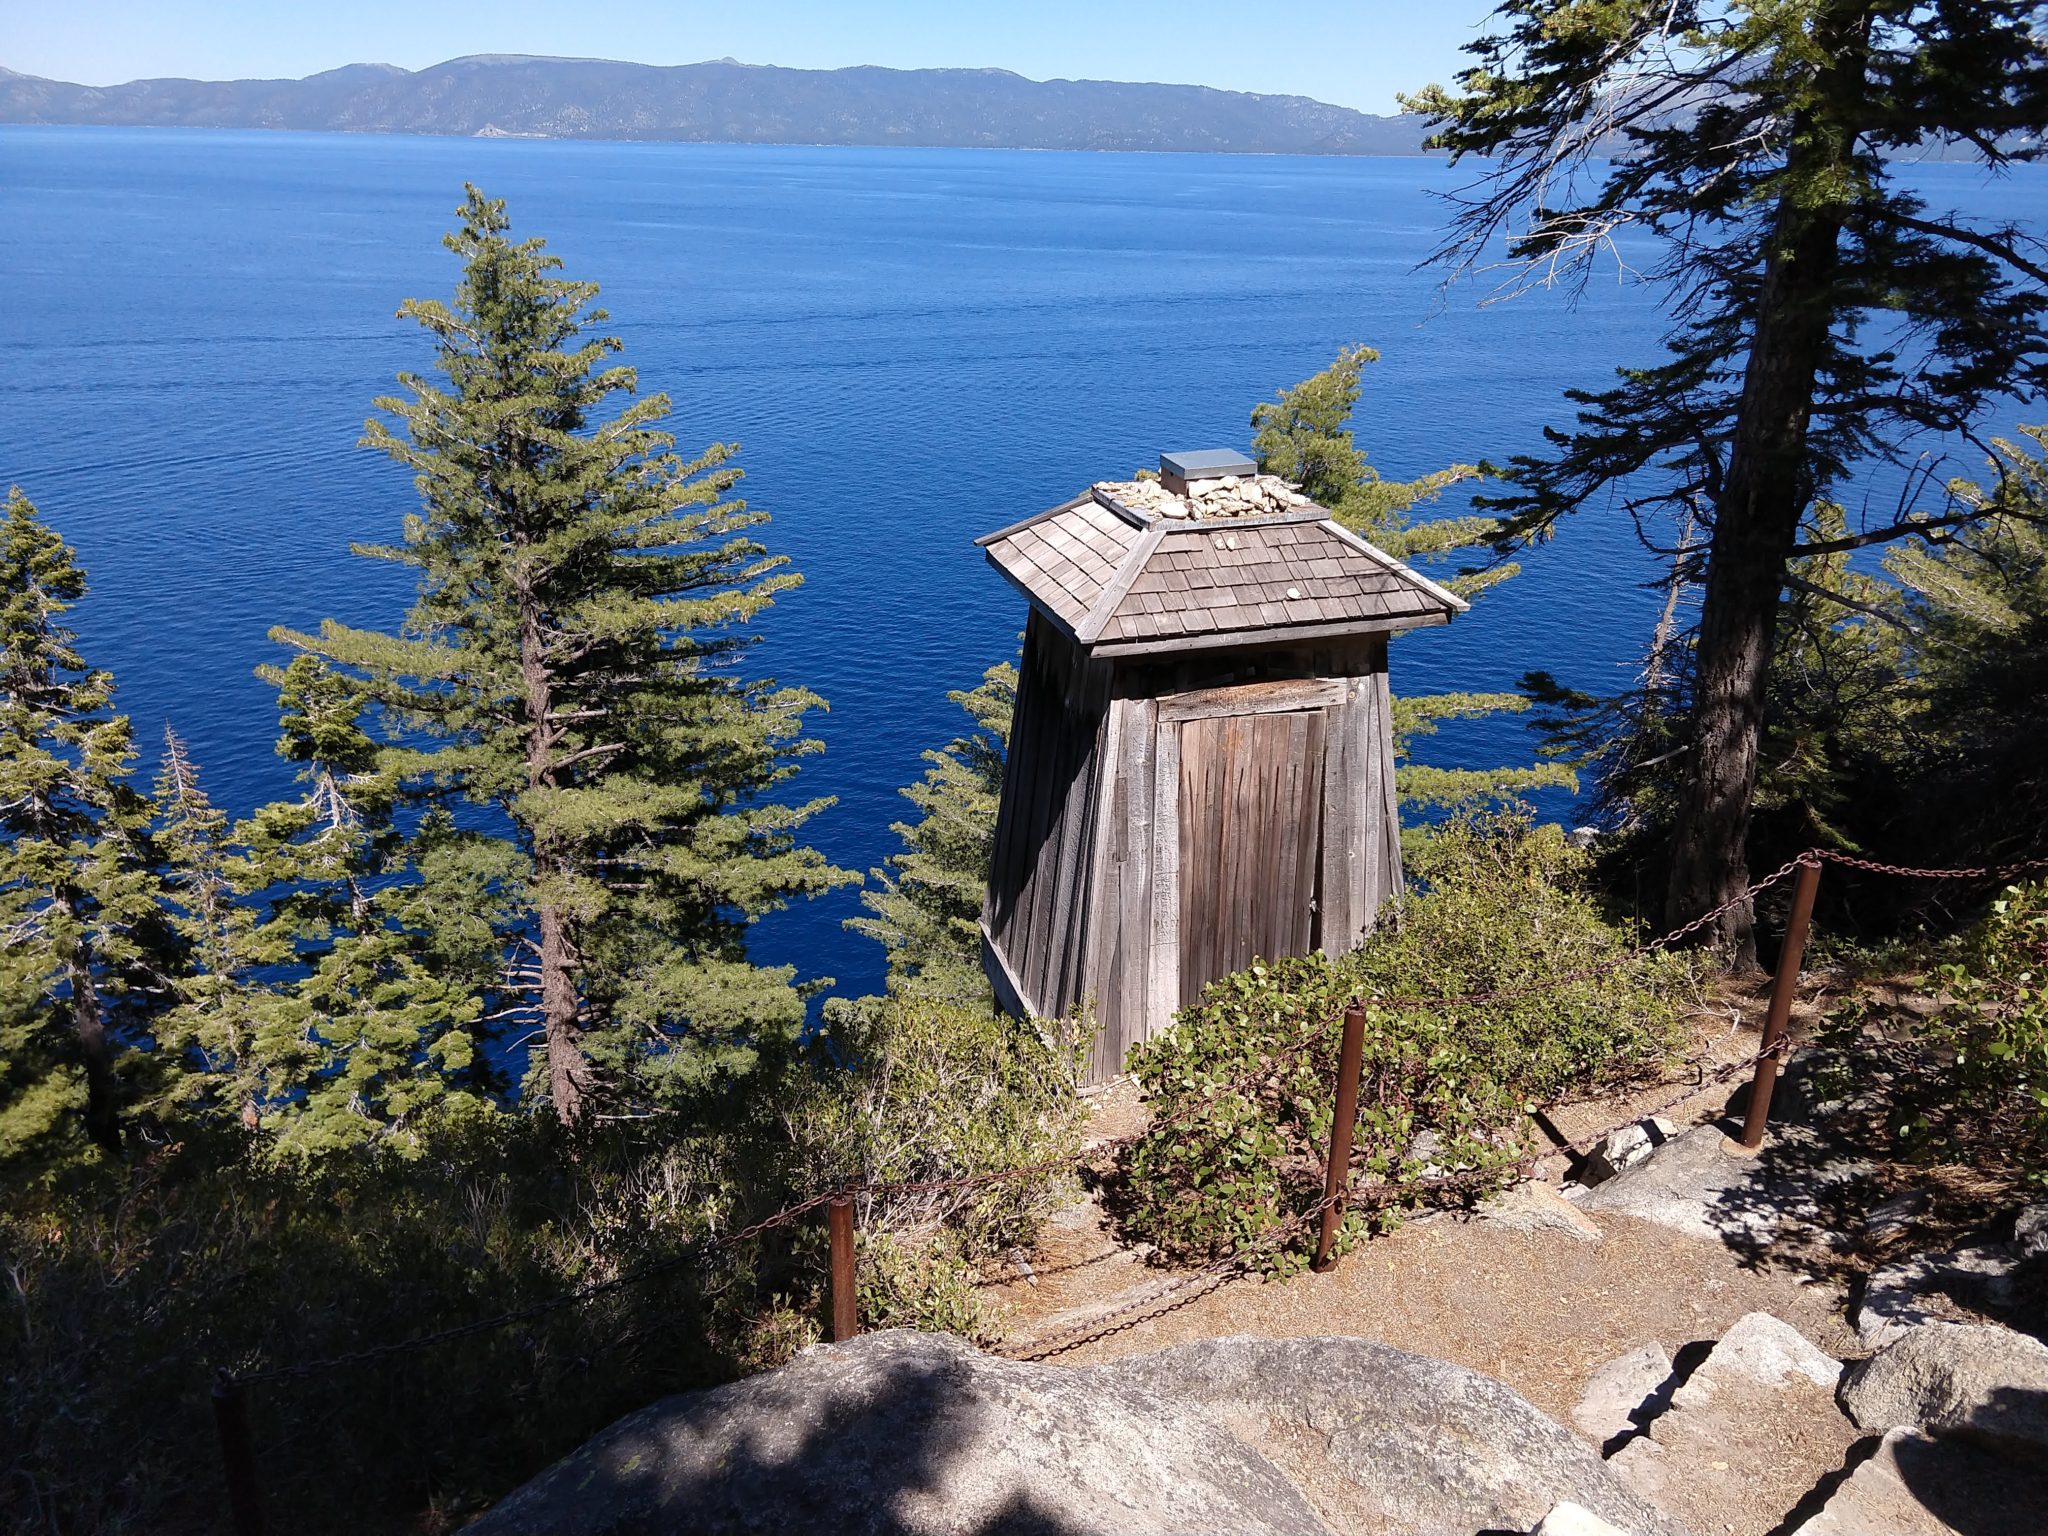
{"x": 214, "y": 1020}
{"x": 570, "y": 662}
{"x": 925, "y": 907}
{"x": 1824, "y": 315}
{"x": 1305, "y": 435}
{"x": 1905, "y": 716}
{"x": 393, "y": 938}
{"x": 77, "y": 898}
{"x": 1974, "y": 613}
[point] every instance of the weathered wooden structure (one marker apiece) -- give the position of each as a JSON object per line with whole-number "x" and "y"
{"x": 1201, "y": 764}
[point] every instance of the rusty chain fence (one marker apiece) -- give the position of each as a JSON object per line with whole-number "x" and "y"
{"x": 1342, "y": 1192}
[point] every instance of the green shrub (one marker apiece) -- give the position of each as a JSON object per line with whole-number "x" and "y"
{"x": 938, "y": 1092}
{"x": 1968, "y": 1082}
{"x": 1496, "y": 905}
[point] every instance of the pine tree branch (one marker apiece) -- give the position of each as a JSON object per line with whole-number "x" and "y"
{"x": 556, "y": 765}
{"x": 1906, "y": 530}
{"x": 1990, "y": 244}
{"x": 1812, "y": 589}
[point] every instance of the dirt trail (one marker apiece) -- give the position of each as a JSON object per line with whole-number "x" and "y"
{"x": 1540, "y": 1310}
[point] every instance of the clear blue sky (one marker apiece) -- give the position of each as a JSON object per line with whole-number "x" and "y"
{"x": 1354, "y": 52}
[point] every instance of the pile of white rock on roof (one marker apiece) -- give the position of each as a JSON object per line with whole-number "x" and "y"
{"x": 1228, "y": 496}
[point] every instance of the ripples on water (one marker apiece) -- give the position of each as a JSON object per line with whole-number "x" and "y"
{"x": 912, "y": 346}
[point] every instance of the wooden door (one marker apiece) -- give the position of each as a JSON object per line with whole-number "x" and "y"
{"x": 1251, "y": 824}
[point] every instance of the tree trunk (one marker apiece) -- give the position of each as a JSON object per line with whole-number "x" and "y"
{"x": 569, "y": 1082}
{"x": 1757, "y": 512}
{"x": 569, "y": 1086}
{"x": 89, "y": 1023}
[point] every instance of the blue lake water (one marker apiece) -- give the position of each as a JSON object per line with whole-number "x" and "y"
{"x": 913, "y": 347}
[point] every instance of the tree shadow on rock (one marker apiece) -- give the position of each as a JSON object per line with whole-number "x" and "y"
{"x": 900, "y": 1433}
{"x": 1975, "y": 1490}
{"x": 1825, "y": 1198}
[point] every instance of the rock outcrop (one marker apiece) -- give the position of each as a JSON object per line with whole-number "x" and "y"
{"x": 911, "y": 1433}
{"x": 923, "y": 1435}
{"x": 1384, "y": 1440}
{"x": 920, "y": 1433}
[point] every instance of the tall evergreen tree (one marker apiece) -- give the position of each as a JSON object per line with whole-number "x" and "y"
{"x": 323, "y": 998}
{"x": 215, "y": 1015}
{"x": 925, "y": 906}
{"x": 570, "y": 662}
{"x": 77, "y": 897}
{"x": 1825, "y": 313}
{"x": 1907, "y": 712}
{"x": 1975, "y": 611}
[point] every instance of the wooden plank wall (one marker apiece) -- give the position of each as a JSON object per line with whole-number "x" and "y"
{"x": 1121, "y": 932}
{"x": 1084, "y": 889}
{"x": 1251, "y": 820}
{"x": 1383, "y": 871}
{"x": 1040, "y": 873}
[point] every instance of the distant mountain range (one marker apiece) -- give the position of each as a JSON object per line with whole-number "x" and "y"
{"x": 729, "y": 102}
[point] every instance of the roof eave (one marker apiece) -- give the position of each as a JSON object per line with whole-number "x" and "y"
{"x": 1037, "y": 517}
{"x": 1052, "y": 617}
{"x": 1455, "y": 603}
{"x": 1265, "y": 634}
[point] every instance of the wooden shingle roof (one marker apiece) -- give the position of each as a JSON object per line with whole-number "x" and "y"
{"x": 1125, "y": 583}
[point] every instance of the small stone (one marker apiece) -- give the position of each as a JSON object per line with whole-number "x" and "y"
{"x": 1625, "y": 1148}
{"x": 1534, "y": 1206}
{"x": 2030, "y": 1235}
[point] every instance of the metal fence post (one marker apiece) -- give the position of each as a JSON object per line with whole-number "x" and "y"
{"x": 845, "y": 1310}
{"x": 1769, "y": 1062}
{"x": 237, "y": 1455}
{"x": 1337, "y": 1173}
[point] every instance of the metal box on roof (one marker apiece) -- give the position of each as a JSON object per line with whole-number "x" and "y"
{"x": 1179, "y": 470}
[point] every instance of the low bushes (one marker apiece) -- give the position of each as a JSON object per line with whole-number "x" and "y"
{"x": 127, "y": 1284}
{"x": 1494, "y": 905}
{"x": 1968, "y": 1081}
{"x": 941, "y": 1092}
